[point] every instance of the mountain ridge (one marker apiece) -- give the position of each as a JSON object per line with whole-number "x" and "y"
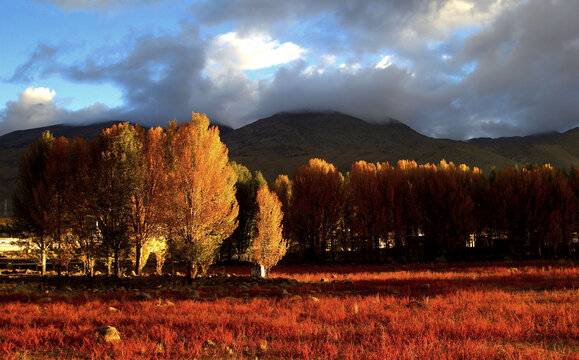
{"x": 280, "y": 143}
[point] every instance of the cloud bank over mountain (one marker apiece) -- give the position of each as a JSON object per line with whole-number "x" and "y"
{"x": 448, "y": 68}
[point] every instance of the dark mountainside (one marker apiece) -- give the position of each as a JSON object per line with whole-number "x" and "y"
{"x": 281, "y": 143}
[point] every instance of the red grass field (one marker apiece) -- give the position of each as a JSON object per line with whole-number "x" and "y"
{"x": 446, "y": 311}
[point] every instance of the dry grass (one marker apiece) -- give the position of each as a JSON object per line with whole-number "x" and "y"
{"x": 478, "y": 311}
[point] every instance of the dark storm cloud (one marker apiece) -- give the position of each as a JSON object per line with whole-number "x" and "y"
{"x": 458, "y": 69}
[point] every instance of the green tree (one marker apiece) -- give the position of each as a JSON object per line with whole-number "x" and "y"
{"x": 116, "y": 180}
{"x": 246, "y": 192}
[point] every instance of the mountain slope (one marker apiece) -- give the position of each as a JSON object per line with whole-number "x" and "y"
{"x": 282, "y": 142}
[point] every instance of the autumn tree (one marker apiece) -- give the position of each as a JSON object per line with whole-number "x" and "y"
{"x": 79, "y": 201}
{"x": 53, "y": 192}
{"x": 369, "y": 189}
{"x": 406, "y": 216}
{"x": 316, "y": 208}
{"x": 116, "y": 155}
{"x": 282, "y": 186}
{"x": 269, "y": 245}
{"x": 29, "y": 211}
{"x": 246, "y": 191}
{"x": 446, "y": 207}
{"x": 202, "y": 192}
{"x": 146, "y": 216}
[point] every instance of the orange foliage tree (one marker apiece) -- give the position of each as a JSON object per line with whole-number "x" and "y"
{"x": 269, "y": 245}
{"x": 146, "y": 210}
{"x": 53, "y": 193}
{"x": 79, "y": 203}
{"x": 203, "y": 208}
{"x": 406, "y": 217}
{"x": 370, "y": 205}
{"x": 316, "y": 208}
{"x": 282, "y": 186}
{"x": 446, "y": 208}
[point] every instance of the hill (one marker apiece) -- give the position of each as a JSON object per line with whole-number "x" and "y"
{"x": 282, "y": 142}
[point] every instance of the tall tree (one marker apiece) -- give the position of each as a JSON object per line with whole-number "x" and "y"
{"x": 406, "y": 216}
{"x": 145, "y": 218}
{"x": 79, "y": 200}
{"x": 53, "y": 193}
{"x": 29, "y": 213}
{"x": 116, "y": 181}
{"x": 446, "y": 207}
{"x": 282, "y": 186}
{"x": 316, "y": 208}
{"x": 204, "y": 208}
{"x": 246, "y": 191}
{"x": 269, "y": 246}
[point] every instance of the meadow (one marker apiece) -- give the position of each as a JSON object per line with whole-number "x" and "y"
{"x": 526, "y": 310}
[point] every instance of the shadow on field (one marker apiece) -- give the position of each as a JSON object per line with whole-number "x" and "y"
{"x": 415, "y": 281}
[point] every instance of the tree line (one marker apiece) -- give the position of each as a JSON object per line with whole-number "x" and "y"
{"x": 410, "y": 212}
{"x": 173, "y": 193}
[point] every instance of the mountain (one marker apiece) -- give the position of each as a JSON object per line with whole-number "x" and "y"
{"x": 281, "y": 143}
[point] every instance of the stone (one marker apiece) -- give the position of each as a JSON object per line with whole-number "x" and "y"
{"x": 109, "y": 334}
{"x": 144, "y": 296}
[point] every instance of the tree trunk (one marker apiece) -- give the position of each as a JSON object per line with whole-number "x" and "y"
{"x": 191, "y": 271}
{"x": 117, "y": 265}
{"x": 43, "y": 261}
{"x": 138, "y": 250}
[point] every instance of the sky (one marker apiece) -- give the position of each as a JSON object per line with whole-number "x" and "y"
{"x": 447, "y": 68}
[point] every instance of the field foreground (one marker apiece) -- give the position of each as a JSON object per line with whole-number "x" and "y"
{"x": 443, "y": 311}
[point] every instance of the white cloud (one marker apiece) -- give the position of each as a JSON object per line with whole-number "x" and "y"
{"x": 251, "y": 53}
{"x": 36, "y": 107}
{"x": 384, "y": 62}
{"x": 36, "y": 96}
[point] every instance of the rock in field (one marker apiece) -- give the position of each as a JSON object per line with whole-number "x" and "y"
{"x": 144, "y": 296}
{"x": 108, "y": 333}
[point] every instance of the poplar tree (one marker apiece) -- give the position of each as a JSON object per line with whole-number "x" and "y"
{"x": 117, "y": 156}
{"x": 269, "y": 246}
{"x": 202, "y": 192}
{"x": 29, "y": 212}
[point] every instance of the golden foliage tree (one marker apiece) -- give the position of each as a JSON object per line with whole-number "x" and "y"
{"x": 316, "y": 207}
{"x": 269, "y": 245}
{"x": 202, "y": 192}
{"x": 146, "y": 213}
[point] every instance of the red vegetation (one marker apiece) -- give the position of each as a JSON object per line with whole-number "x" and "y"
{"x": 412, "y": 312}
